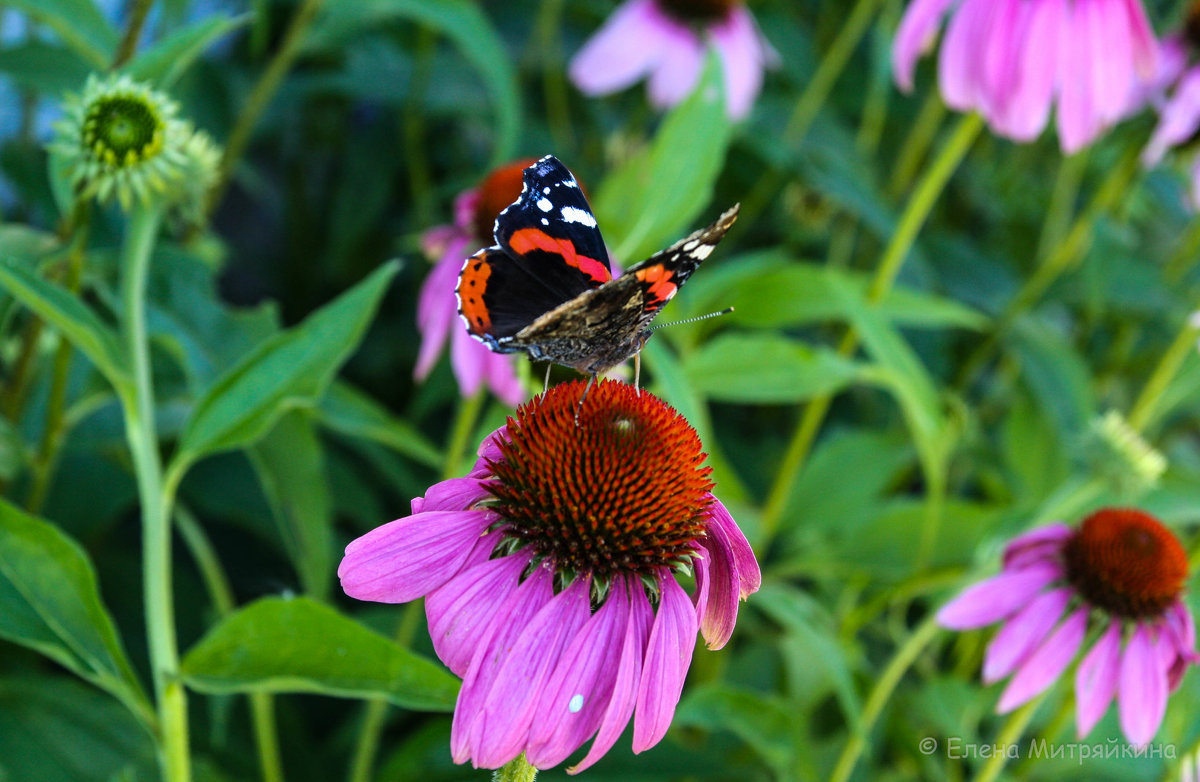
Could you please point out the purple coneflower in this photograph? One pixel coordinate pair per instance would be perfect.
(665, 41)
(549, 575)
(1179, 113)
(1120, 573)
(437, 309)
(1011, 59)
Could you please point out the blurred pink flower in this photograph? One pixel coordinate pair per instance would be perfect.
(1179, 105)
(549, 575)
(437, 308)
(1010, 60)
(665, 40)
(1121, 572)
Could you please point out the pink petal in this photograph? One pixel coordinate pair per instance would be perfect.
(959, 66)
(1038, 544)
(914, 36)
(744, 561)
(1046, 664)
(724, 555)
(1000, 64)
(1078, 119)
(467, 359)
(629, 670)
(1145, 46)
(501, 732)
(740, 45)
(1096, 679)
(1112, 55)
(455, 494)
(407, 558)
(459, 611)
(1028, 108)
(668, 656)
(678, 68)
(623, 50)
(578, 693)
(1022, 633)
(514, 614)
(1181, 635)
(465, 205)
(437, 309)
(1141, 688)
(996, 598)
(1179, 120)
(500, 375)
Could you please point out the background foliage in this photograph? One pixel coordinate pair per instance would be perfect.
(1040, 293)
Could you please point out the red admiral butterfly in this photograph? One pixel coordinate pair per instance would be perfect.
(545, 287)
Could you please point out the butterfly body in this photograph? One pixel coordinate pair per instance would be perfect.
(546, 289)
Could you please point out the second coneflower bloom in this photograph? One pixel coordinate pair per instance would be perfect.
(549, 574)
(1119, 575)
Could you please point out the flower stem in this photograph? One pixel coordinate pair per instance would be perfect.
(554, 86)
(922, 133)
(133, 31)
(464, 423)
(1012, 730)
(888, 680)
(1184, 345)
(911, 221)
(515, 770)
(155, 500)
(1186, 252)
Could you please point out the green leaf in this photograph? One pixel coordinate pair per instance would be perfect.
(652, 199)
(79, 23)
(765, 368)
(50, 602)
(349, 411)
(70, 316)
(1057, 376)
(58, 730)
(764, 722)
(163, 63)
(292, 369)
(291, 469)
(459, 20)
(44, 67)
(299, 645)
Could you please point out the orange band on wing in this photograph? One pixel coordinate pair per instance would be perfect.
(527, 239)
(661, 288)
(472, 282)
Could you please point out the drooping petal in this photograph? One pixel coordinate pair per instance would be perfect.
(454, 494)
(1025, 114)
(677, 71)
(1046, 664)
(740, 45)
(1141, 688)
(629, 671)
(718, 577)
(623, 50)
(668, 656)
(409, 557)
(996, 598)
(1179, 119)
(437, 311)
(1022, 633)
(745, 564)
(459, 610)
(959, 64)
(468, 358)
(1181, 633)
(514, 614)
(501, 732)
(578, 692)
(913, 37)
(1144, 45)
(1000, 65)
(1038, 544)
(500, 375)
(1112, 55)
(1078, 119)
(1096, 679)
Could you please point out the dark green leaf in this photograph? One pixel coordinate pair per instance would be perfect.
(763, 721)
(298, 645)
(163, 63)
(79, 23)
(765, 368)
(43, 67)
(349, 411)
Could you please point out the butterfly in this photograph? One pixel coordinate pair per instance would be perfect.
(545, 287)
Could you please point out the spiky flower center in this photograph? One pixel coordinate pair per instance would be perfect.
(1126, 562)
(698, 11)
(621, 489)
(123, 129)
(501, 188)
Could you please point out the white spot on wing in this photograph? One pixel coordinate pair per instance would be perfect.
(544, 204)
(545, 221)
(546, 190)
(703, 251)
(573, 214)
(575, 704)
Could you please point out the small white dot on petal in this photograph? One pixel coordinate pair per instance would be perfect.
(576, 704)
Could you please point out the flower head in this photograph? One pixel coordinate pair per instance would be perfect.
(437, 311)
(1010, 60)
(1121, 573)
(550, 574)
(665, 40)
(120, 138)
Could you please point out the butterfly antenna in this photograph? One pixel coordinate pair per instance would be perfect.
(588, 387)
(725, 311)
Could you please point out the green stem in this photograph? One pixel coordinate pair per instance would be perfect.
(1186, 251)
(833, 63)
(911, 221)
(920, 136)
(888, 680)
(1062, 202)
(516, 770)
(142, 436)
(554, 86)
(931, 521)
(1143, 410)
(1009, 734)
(464, 424)
(133, 31)
(260, 97)
(415, 158)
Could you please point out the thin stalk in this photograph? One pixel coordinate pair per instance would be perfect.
(133, 31)
(1143, 410)
(920, 136)
(554, 86)
(888, 680)
(142, 436)
(833, 63)
(464, 424)
(1009, 734)
(1062, 202)
(516, 770)
(260, 97)
(1186, 252)
(911, 221)
(415, 159)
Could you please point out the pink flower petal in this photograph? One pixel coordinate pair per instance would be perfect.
(455, 494)
(915, 34)
(745, 564)
(1179, 119)
(1022, 633)
(1025, 114)
(996, 598)
(1141, 688)
(1000, 62)
(1046, 664)
(722, 582)
(629, 671)
(575, 698)
(501, 732)
(668, 656)
(407, 558)
(740, 45)
(1112, 55)
(437, 309)
(623, 50)
(678, 68)
(1180, 630)
(459, 611)
(959, 66)
(1043, 543)
(467, 358)
(1078, 118)
(1145, 46)
(1096, 679)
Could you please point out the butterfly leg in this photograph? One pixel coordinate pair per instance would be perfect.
(588, 387)
(546, 384)
(637, 372)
